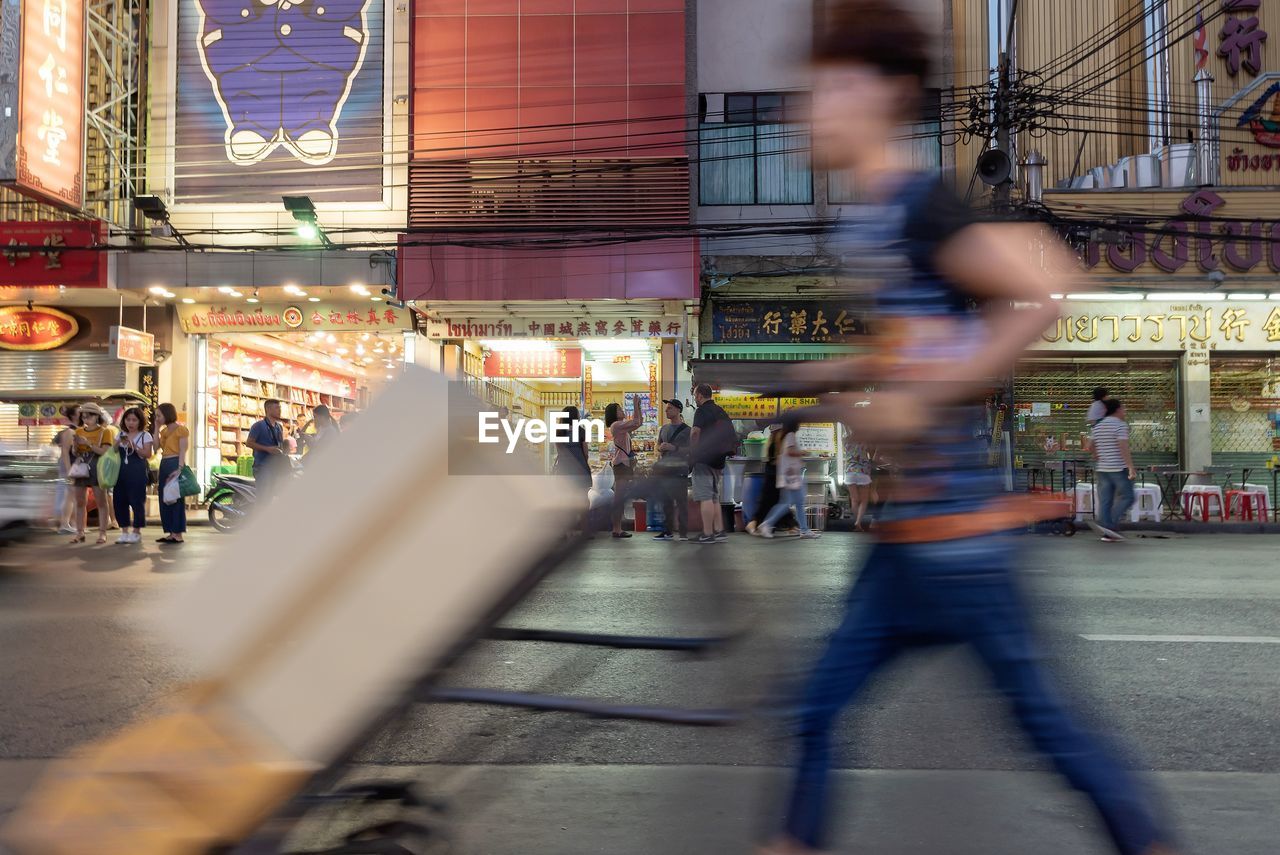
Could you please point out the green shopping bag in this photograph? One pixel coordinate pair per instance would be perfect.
(109, 469)
(187, 483)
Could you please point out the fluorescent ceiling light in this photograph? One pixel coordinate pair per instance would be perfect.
(1248, 296)
(313, 299)
(188, 300)
(252, 300)
(376, 299)
(1107, 296)
(169, 294)
(158, 290)
(1056, 296)
(226, 289)
(1195, 296)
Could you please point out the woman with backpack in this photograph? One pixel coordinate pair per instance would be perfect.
(621, 457)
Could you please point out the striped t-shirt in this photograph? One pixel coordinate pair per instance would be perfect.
(1107, 435)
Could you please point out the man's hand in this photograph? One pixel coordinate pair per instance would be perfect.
(1133, 473)
(666, 446)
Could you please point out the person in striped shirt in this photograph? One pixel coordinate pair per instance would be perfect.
(1116, 472)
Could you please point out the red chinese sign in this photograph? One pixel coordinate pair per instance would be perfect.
(561, 362)
(133, 345)
(33, 254)
(38, 328)
(50, 151)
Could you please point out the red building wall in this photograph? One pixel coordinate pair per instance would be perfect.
(570, 84)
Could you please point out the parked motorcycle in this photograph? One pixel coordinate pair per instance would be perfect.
(232, 497)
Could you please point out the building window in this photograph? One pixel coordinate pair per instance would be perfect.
(756, 151)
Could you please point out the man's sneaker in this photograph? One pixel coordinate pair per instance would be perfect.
(663, 536)
(1105, 533)
(766, 531)
(703, 538)
(811, 534)
(721, 537)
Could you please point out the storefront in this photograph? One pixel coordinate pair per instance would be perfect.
(300, 352)
(538, 358)
(1199, 377)
(56, 354)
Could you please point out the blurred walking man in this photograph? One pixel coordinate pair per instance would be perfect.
(969, 298)
(1116, 472)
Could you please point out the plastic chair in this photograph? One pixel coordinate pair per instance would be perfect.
(1198, 499)
(1146, 503)
(1253, 504)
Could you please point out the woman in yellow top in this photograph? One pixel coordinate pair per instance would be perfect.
(92, 439)
(175, 439)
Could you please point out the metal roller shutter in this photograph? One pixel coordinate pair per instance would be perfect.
(66, 375)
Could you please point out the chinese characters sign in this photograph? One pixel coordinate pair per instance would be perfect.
(561, 362)
(566, 326)
(302, 317)
(793, 322)
(752, 407)
(49, 156)
(133, 345)
(52, 253)
(37, 328)
(1241, 39)
(1165, 326)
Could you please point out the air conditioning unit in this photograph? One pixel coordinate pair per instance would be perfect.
(1177, 165)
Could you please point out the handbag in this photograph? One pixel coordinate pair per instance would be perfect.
(79, 469)
(109, 469)
(187, 483)
(171, 493)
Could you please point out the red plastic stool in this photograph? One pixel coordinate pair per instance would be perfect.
(1199, 505)
(1251, 502)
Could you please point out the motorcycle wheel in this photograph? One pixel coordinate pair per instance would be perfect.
(220, 519)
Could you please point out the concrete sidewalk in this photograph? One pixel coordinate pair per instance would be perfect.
(709, 810)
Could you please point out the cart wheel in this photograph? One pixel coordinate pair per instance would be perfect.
(1056, 527)
(1069, 529)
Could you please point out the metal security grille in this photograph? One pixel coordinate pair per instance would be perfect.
(547, 194)
(1149, 390)
(55, 377)
(1244, 398)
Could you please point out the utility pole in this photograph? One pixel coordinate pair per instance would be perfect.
(1003, 114)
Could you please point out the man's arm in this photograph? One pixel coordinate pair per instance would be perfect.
(1123, 445)
(252, 441)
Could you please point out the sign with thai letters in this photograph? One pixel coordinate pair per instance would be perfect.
(1149, 325)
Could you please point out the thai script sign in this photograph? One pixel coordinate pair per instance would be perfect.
(1149, 325)
(302, 317)
(1192, 243)
(132, 345)
(557, 326)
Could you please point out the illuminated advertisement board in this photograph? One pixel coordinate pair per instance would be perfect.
(277, 98)
(42, 98)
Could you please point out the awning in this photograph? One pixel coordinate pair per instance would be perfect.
(18, 396)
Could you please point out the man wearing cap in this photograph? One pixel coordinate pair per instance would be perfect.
(672, 473)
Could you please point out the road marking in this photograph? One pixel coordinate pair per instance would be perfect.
(1189, 639)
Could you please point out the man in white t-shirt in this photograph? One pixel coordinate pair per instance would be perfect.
(1115, 470)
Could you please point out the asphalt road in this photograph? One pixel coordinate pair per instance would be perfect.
(1172, 643)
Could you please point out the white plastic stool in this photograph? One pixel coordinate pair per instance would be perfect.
(1084, 501)
(1146, 504)
(1198, 499)
(1260, 488)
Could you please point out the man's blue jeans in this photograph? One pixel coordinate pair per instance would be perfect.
(1115, 497)
(959, 591)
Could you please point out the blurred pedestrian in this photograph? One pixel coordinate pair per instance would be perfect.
(968, 300)
(324, 430)
(175, 441)
(65, 499)
(712, 441)
(790, 481)
(571, 462)
(671, 473)
(1115, 470)
(92, 439)
(270, 459)
(769, 492)
(622, 457)
(1097, 410)
(129, 496)
(859, 464)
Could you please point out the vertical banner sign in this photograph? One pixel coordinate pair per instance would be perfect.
(47, 157)
(272, 94)
(149, 385)
(653, 382)
(213, 397)
(588, 399)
